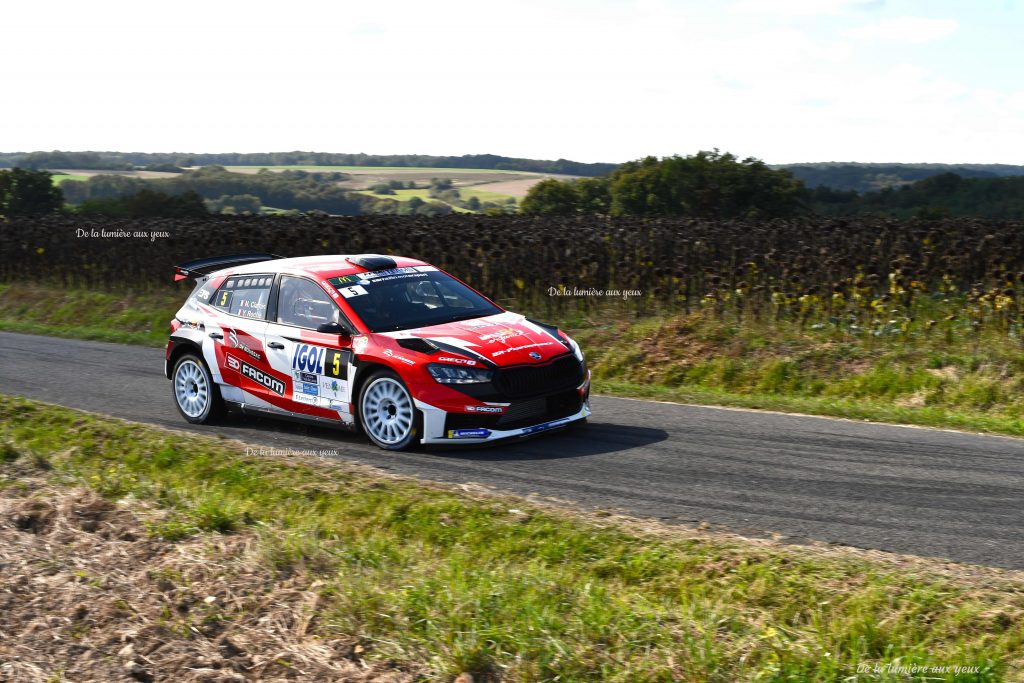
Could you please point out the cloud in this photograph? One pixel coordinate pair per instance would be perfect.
(905, 30)
(801, 8)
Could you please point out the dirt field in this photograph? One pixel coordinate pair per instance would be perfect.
(145, 175)
(518, 187)
(87, 596)
(512, 183)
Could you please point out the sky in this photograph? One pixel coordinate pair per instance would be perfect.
(590, 80)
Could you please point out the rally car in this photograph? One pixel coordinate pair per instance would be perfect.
(388, 345)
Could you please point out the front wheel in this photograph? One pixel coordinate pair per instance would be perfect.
(195, 393)
(387, 413)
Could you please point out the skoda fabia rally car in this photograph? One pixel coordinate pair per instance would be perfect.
(389, 345)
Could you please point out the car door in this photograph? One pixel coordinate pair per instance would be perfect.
(319, 364)
(237, 342)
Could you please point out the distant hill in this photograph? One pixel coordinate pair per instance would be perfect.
(120, 161)
(866, 177)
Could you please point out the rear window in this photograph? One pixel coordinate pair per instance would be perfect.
(245, 296)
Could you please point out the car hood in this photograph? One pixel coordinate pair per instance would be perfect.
(503, 339)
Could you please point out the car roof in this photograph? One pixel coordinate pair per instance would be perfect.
(319, 267)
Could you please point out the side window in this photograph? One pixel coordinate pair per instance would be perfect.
(245, 296)
(304, 304)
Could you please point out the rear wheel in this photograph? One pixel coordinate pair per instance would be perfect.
(195, 393)
(387, 412)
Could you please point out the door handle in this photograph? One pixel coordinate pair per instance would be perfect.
(216, 335)
(276, 345)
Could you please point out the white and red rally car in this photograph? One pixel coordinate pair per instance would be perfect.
(390, 345)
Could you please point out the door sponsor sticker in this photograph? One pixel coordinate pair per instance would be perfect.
(262, 378)
(320, 360)
(334, 389)
(320, 372)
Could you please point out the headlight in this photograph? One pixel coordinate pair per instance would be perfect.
(576, 350)
(450, 374)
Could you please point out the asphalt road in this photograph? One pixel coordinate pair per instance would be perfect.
(919, 491)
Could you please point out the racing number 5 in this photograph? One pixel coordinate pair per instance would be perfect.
(333, 366)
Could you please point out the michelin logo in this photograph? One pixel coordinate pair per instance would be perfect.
(468, 433)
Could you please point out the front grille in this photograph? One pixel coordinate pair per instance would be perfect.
(520, 413)
(531, 380)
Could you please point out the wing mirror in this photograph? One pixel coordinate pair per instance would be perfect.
(333, 328)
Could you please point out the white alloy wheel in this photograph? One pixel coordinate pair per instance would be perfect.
(196, 395)
(387, 412)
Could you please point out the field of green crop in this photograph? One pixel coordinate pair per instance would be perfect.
(60, 178)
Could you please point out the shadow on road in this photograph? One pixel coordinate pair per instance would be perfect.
(595, 438)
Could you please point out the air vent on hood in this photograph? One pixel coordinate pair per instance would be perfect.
(372, 261)
(417, 344)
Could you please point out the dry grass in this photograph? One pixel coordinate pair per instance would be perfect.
(88, 595)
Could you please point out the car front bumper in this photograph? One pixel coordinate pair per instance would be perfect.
(435, 433)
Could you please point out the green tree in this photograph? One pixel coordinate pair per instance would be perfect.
(594, 195)
(551, 197)
(706, 185)
(28, 193)
(148, 203)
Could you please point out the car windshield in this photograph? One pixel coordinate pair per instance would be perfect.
(404, 298)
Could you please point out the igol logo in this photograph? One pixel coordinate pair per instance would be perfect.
(309, 358)
(260, 377)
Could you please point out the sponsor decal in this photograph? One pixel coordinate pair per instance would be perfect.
(520, 348)
(485, 409)
(330, 290)
(310, 389)
(354, 290)
(546, 425)
(262, 378)
(233, 363)
(452, 359)
(304, 376)
(234, 343)
(501, 335)
(319, 360)
(359, 343)
(391, 354)
(333, 388)
(302, 398)
(534, 355)
(341, 406)
(363, 279)
(468, 433)
(204, 294)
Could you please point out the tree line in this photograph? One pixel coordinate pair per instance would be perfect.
(121, 161)
(719, 185)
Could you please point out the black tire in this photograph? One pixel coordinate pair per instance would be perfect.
(379, 415)
(192, 372)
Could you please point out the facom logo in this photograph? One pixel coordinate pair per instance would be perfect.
(260, 377)
(485, 409)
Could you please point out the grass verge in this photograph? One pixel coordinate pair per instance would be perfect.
(428, 578)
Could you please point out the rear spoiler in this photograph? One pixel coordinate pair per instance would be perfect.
(208, 265)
